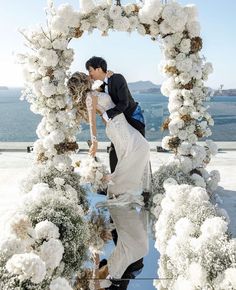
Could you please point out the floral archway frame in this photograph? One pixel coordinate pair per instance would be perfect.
(53, 185)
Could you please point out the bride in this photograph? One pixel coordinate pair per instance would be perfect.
(126, 183)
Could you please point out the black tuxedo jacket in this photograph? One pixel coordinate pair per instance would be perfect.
(121, 96)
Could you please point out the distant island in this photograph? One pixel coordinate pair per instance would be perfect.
(230, 92)
(3, 88)
(147, 87)
(144, 87)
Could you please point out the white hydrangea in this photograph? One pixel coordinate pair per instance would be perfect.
(59, 25)
(115, 12)
(186, 164)
(197, 275)
(121, 24)
(86, 6)
(150, 11)
(62, 162)
(60, 284)
(165, 28)
(175, 125)
(167, 86)
(21, 226)
(183, 78)
(141, 29)
(129, 9)
(184, 148)
(230, 276)
(183, 284)
(102, 24)
(196, 71)
(185, 46)
(175, 15)
(11, 245)
(194, 28)
(165, 142)
(27, 266)
(182, 134)
(184, 227)
(46, 230)
(48, 57)
(184, 65)
(84, 25)
(214, 227)
(60, 43)
(192, 138)
(191, 10)
(154, 29)
(198, 194)
(51, 253)
(48, 90)
(198, 180)
(133, 22)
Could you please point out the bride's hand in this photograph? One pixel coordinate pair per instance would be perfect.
(93, 149)
(104, 121)
(106, 178)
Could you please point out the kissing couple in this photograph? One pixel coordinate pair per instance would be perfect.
(129, 156)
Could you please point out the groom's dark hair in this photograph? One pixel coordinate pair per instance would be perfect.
(97, 62)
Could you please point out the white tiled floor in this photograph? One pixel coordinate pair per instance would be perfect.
(15, 165)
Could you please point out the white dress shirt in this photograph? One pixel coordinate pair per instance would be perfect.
(104, 115)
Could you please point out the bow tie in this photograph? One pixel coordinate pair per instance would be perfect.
(105, 84)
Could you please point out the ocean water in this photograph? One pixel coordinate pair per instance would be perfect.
(18, 123)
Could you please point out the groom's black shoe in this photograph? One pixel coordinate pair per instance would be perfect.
(102, 263)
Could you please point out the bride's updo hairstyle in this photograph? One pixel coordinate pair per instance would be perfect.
(79, 85)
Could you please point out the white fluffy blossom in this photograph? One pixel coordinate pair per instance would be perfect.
(184, 227)
(141, 29)
(165, 142)
(133, 22)
(59, 25)
(184, 65)
(198, 275)
(129, 9)
(192, 11)
(185, 46)
(86, 6)
(175, 15)
(11, 245)
(115, 12)
(121, 24)
(48, 57)
(46, 230)
(60, 284)
(102, 24)
(198, 180)
(150, 11)
(214, 227)
(51, 253)
(60, 43)
(194, 28)
(27, 266)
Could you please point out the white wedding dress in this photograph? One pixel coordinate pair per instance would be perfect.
(128, 181)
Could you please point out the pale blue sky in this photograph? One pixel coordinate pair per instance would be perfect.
(135, 56)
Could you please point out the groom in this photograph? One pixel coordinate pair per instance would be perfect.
(116, 86)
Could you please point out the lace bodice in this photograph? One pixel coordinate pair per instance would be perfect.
(104, 102)
(97, 101)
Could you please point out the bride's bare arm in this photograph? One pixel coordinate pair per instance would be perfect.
(91, 103)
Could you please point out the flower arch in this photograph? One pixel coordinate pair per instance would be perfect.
(190, 226)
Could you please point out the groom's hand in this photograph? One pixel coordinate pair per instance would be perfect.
(109, 73)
